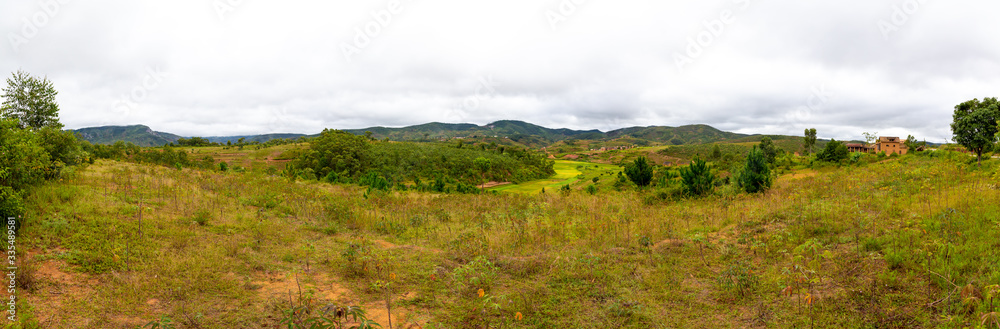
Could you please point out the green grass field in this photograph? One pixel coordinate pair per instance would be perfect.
(567, 172)
(907, 242)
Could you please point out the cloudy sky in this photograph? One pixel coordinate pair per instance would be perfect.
(227, 67)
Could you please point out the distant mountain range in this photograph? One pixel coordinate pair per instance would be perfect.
(521, 132)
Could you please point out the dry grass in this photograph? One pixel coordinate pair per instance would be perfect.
(837, 247)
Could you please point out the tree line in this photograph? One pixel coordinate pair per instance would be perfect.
(339, 156)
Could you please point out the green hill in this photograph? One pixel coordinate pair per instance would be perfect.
(504, 132)
(690, 134)
(137, 134)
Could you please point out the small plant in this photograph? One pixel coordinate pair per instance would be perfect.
(591, 189)
(739, 280)
(164, 322)
(201, 217)
(479, 273)
(328, 317)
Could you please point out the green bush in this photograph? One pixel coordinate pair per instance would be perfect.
(640, 172)
(833, 152)
(697, 178)
(756, 175)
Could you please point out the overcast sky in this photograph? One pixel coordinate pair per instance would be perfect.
(233, 67)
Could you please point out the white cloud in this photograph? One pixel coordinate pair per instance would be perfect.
(279, 66)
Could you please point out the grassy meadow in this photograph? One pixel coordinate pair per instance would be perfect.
(908, 242)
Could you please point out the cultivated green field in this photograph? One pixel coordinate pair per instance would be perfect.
(567, 172)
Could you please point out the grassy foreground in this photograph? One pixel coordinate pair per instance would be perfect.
(906, 243)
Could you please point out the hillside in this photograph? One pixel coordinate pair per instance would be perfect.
(504, 132)
(690, 134)
(138, 134)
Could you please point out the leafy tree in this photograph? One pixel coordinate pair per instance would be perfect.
(61, 145)
(975, 125)
(756, 175)
(640, 172)
(770, 151)
(31, 101)
(912, 144)
(194, 142)
(833, 152)
(809, 141)
(697, 178)
(870, 138)
(24, 163)
(336, 150)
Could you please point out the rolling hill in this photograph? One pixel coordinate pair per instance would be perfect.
(503, 132)
(137, 134)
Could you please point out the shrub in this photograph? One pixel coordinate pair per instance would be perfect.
(591, 189)
(833, 152)
(738, 280)
(621, 184)
(756, 175)
(640, 172)
(697, 178)
(201, 217)
(477, 274)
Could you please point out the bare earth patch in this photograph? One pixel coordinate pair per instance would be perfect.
(286, 287)
(492, 184)
(57, 290)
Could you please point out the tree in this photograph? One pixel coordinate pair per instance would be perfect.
(870, 138)
(975, 125)
(756, 175)
(61, 145)
(697, 178)
(912, 144)
(640, 172)
(24, 163)
(833, 152)
(31, 101)
(809, 141)
(337, 151)
(770, 151)
(716, 152)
